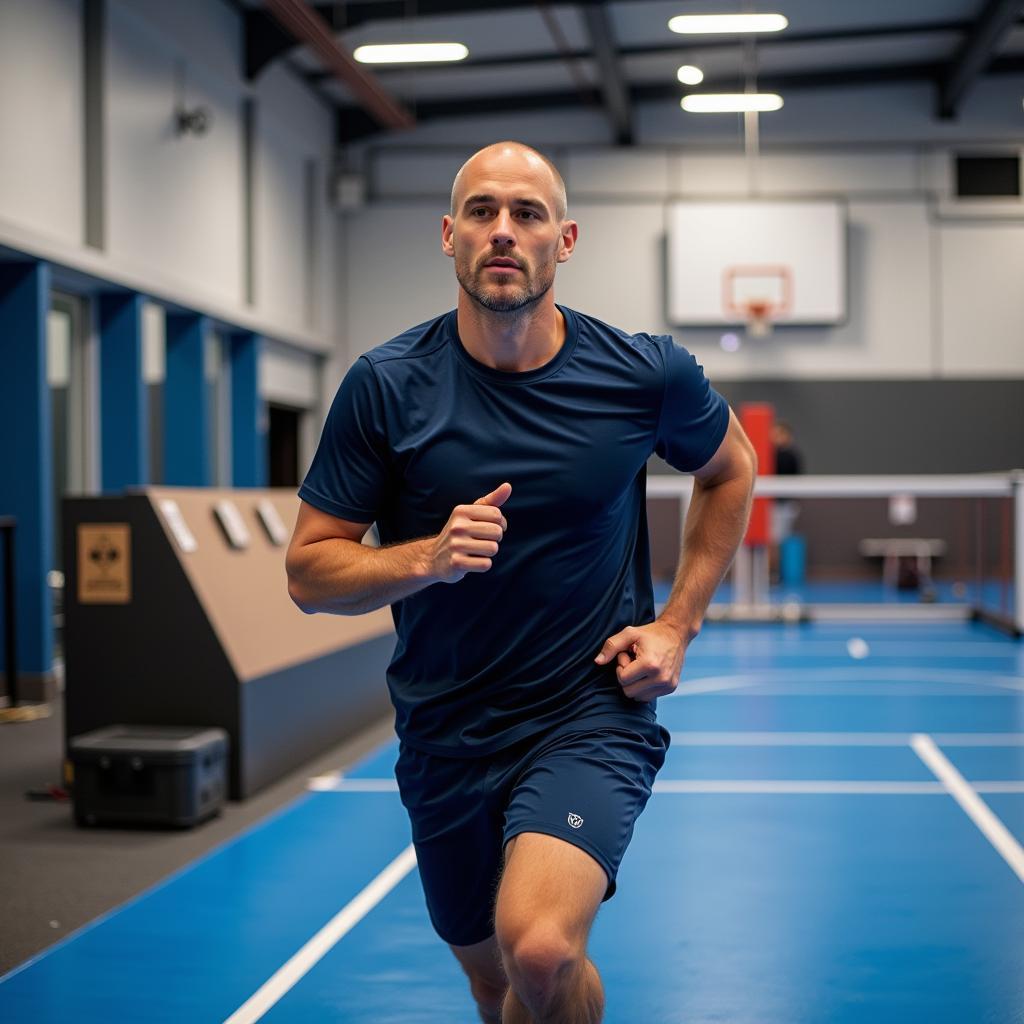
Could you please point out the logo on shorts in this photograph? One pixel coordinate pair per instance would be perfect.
(575, 820)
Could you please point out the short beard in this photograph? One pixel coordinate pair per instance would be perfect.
(516, 300)
(504, 302)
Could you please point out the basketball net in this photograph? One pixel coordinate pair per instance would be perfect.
(759, 313)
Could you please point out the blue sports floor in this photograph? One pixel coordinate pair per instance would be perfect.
(835, 837)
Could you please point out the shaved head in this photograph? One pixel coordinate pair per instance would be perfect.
(509, 153)
(507, 230)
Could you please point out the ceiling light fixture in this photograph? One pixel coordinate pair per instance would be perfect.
(689, 75)
(410, 53)
(724, 103)
(720, 24)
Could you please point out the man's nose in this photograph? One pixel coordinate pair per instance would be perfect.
(502, 233)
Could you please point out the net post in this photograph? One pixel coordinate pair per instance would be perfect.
(742, 578)
(1018, 550)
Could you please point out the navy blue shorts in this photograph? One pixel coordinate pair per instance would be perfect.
(584, 781)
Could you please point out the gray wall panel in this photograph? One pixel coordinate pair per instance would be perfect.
(942, 426)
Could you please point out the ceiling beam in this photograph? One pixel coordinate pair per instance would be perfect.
(614, 90)
(309, 27)
(976, 51)
(351, 126)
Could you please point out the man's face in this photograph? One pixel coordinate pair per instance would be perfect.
(506, 237)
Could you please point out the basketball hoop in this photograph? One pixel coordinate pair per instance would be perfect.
(757, 294)
(759, 314)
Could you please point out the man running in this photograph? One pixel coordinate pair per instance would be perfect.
(501, 449)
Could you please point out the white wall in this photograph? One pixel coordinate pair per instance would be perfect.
(396, 274)
(293, 129)
(931, 285)
(174, 205)
(41, 139)
(981, 299)
(174, 202)
(289, 377)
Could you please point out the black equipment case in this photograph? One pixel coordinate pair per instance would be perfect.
(149, 775)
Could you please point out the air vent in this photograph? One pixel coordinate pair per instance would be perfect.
(997, 176)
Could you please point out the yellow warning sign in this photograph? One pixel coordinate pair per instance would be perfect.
(104, 563)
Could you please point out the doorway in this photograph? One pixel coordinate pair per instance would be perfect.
(285, 424)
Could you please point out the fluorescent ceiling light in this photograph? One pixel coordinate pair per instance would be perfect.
(720, 103)
(689, 75)
(727, 23)
(410, 53)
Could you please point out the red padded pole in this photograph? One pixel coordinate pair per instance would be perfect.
(757, 419)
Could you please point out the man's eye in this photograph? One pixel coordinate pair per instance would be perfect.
(478, 211)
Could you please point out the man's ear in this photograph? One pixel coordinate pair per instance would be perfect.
(567, 241)
(448, 235)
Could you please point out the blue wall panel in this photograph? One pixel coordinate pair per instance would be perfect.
(26, 477)
(124, 426)
(187, 456)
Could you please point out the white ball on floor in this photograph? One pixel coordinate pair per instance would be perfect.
(857, 647)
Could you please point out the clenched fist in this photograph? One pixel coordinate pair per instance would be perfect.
(470, 538)
(648, 659)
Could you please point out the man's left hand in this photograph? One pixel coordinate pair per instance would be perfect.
(648, 660)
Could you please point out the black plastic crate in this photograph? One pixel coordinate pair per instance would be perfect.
(148, 775)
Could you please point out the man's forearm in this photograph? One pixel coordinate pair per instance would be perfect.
(715, 524)
(345, 577)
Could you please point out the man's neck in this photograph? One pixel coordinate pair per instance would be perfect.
(514, 342)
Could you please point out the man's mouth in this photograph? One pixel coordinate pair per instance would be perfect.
(502, 262)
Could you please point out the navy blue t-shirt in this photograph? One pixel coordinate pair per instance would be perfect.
(419, 426)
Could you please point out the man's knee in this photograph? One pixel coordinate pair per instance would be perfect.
(538, 955)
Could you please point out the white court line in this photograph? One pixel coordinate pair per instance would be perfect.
(325, 784)
(302, 962)
(836, 787)
(828, 690)
(841, 739)
(973, 806)
(879, 648)
(861, 673)
(711, 684)
(330, 782)
(829, 787)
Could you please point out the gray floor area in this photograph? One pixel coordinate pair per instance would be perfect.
(55, 877)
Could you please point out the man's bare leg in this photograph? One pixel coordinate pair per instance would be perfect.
(487, 981)
(547, 901)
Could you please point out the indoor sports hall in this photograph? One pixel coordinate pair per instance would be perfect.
(214, 212)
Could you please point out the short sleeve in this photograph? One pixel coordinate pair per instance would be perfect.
(349, 476)
(694, 417)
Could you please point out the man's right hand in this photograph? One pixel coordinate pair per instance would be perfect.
(470, 538)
